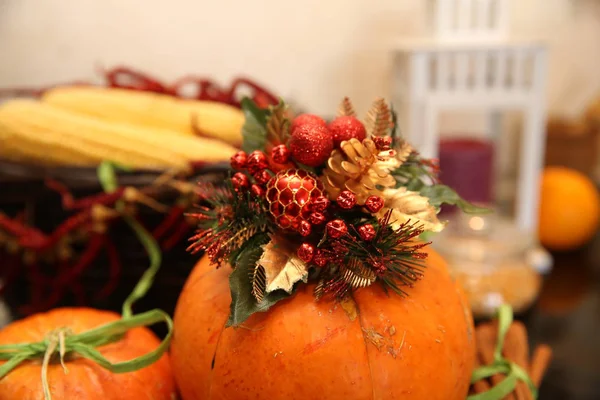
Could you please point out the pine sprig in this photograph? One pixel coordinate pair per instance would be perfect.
(226, 221)
(392, 257)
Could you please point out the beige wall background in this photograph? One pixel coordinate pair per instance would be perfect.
(312, 51)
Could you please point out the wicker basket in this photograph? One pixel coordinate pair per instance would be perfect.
(24, 191)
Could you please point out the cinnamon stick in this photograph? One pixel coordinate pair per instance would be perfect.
(486, 336)
(516, 349)
(481, 385)
(539, 363)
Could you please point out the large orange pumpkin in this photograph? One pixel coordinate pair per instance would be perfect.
(85, 379)
(418, 347)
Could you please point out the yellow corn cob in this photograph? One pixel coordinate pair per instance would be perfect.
(152, 110)
(34, 149)
(83, 140)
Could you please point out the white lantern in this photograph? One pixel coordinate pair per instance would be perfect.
(469, 63)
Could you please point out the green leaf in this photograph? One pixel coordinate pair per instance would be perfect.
(243, 303)
(395, 134)
(415, 185)
(254, 131)
(442, 194)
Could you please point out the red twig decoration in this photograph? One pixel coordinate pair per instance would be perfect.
(200, 88)
(114, 270)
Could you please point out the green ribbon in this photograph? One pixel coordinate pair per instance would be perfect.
(84, 344)
(501, 365)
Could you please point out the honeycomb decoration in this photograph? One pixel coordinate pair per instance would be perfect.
(290, 194)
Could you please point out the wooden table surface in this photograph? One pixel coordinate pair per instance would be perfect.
(567, 317)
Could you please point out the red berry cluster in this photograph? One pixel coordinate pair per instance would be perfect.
(257, 166)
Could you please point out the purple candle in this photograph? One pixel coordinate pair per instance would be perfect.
(467, 166)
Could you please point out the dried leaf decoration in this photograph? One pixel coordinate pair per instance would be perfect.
(259, 282)
(282, 267)
(346, 109)
(403, 150)
(278, 125)
(407, 205)
(357, 275)
(379, 121)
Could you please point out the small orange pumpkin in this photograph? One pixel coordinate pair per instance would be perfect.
(416, 347)
(85, 379)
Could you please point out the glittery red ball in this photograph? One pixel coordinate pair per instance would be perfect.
(311, 144)
(238, 160)
(307, 119)
(306, 252)
(262, 177)
(240, 181)
(346, 128)
(257, 190)
(366, 232)
(317, 218)
(336, 228)
(320, 259)
(290, 194)
(320, 204)
(304, 228)
(257, 161)
(374, 203)
(346, 199)
(280, 154)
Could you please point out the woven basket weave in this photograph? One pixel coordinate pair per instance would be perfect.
(24, 191)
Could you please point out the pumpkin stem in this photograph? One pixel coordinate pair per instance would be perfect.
(54, 339)
(62, 334)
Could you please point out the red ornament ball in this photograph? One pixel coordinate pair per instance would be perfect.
(346, 199)
(311, 144)
(320, 259)
(290, 195)
(238, 160)
(306, 252)
(366, 232)
(374, 203)
(317, 218)
(307, 119)
(346, 128)
(257, 161)
(240, 181)
(262, 177)
(304, 228)
(336, 228)
(280, 154)
(320, 204)
(257, 190)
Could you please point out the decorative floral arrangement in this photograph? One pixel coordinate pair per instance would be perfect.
(341, 203)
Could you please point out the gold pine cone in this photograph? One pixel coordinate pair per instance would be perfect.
(359, 167)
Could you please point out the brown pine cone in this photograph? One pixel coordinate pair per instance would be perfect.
(359, 167)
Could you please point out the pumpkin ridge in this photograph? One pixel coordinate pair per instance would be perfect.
(212, 364)
(362, 332)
